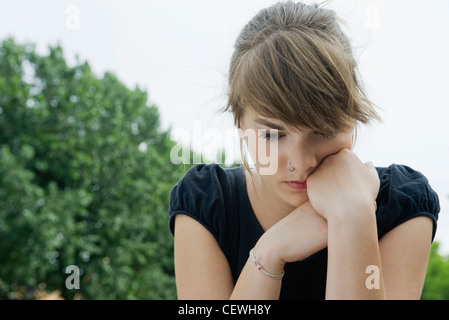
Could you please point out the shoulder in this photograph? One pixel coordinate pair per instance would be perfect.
(203, 194)
(404, 194)
(201, 182)
(204, 173)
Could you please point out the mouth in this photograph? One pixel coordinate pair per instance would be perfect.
(297, 185)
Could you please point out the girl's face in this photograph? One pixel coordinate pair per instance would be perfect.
(272, 146)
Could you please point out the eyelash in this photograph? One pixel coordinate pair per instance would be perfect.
(328, 135)
(272, 136)
(275, 136)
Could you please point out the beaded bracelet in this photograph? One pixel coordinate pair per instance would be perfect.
(259, 267)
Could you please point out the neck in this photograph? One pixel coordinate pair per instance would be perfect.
(268, 208)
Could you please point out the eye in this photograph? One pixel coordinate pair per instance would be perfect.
(271, 135)
(328, 135)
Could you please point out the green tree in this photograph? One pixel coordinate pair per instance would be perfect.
(85, 177)
(436, 285)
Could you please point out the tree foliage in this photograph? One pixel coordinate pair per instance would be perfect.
(85, 177)
(436, 286)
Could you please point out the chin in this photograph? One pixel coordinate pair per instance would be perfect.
(296, 200)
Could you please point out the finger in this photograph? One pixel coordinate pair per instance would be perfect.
(369, 164)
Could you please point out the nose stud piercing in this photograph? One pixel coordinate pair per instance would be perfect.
(290, 168)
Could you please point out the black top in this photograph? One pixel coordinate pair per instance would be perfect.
(217, 198)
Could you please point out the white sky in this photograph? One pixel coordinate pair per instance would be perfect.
(179, 51)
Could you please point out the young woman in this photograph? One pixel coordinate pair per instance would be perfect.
(324, 224)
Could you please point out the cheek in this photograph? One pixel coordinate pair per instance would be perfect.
(336, 145)
(345, 141)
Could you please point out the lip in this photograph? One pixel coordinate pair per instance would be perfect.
(297, 185)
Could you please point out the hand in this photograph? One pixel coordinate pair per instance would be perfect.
(296, 237)
(342, 184)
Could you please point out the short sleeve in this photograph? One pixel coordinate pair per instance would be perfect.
(200, 194)
(404, 194)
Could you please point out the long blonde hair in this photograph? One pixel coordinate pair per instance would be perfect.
(293, 62)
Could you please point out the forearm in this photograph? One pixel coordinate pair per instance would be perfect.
(299, 235)
(353, 250)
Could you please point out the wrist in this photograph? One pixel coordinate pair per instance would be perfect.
(362, 213)
(275, 276)
(268, 257)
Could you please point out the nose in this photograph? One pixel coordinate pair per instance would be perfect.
(302, 159)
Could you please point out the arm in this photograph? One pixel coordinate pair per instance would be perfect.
(202, 270)
(343, 190)
(405, 254)
(294, 238)
(353, 247)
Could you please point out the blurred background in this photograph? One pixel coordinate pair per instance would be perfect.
(95, 96)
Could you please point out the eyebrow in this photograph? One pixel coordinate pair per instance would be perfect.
(269, 124)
